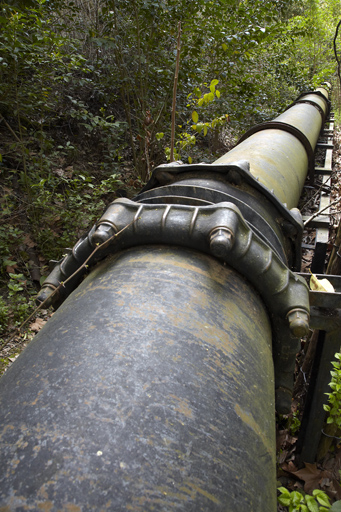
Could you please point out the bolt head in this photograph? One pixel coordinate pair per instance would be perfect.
(221, 242)
(298, 322)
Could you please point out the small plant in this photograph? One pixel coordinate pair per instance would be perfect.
(203, 99)
(18, 303)
(299, 501)
(334, 398)
(16, 284)
(198, 99)
(294, 423)
(3, 314)
(10, 239)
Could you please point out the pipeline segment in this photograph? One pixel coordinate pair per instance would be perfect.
(290, 141)
(152, 387)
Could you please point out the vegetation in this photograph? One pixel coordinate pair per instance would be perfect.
(297, 501)
(334, 398)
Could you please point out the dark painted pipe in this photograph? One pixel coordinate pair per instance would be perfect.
(143, 392)
(152, 386)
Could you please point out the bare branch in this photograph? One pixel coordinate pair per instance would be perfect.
(174, 93)
(320, 211)
(335, 52)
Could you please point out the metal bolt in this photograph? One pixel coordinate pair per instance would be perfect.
(298, 322)
(289, 228)
(102, 234)
(221, 242)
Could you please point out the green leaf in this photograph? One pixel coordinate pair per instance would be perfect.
(296, 497)
(311, 503)
(201, 102)
(9, 263)
(197, 92)
(195, 116)
(323, 500)
(284, 491)
(217, 94)
(336, 507)
(321, 497)
(224, 47)
(284, 500)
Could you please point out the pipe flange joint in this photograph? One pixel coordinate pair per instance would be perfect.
(219, 230)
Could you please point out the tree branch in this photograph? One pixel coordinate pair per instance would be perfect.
(174, 94)
(335, 52)
(320, 211)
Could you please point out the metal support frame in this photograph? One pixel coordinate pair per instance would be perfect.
(325, 317)
(322, 222)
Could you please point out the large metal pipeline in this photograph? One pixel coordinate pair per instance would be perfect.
(153, 385)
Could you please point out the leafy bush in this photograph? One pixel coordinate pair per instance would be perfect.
(334, 398)
(299, 501)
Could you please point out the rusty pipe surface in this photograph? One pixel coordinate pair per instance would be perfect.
(153, 385)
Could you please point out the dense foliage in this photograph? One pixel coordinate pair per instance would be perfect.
(86, 100)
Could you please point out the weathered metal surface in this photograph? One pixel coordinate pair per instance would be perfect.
(281, 169)
(266, 215)
(212, 184)
(322, 233)
(219, 230)
(144, 392)
(283, 166)
(195, 227)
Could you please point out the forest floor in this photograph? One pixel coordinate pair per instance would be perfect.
(323, 475)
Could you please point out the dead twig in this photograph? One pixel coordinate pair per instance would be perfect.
(320, 211)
